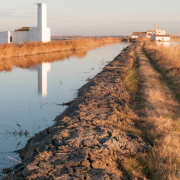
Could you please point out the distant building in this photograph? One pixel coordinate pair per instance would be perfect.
(150, 33)
(26, 34)
(138, 35)
(147, 34)
(160, 35)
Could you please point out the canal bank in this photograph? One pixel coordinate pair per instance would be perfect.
(90, 138)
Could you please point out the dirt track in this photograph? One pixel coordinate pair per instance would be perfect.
(87, 141)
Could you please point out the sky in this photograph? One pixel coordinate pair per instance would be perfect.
(93, 17)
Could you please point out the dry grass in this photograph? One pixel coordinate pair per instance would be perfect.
(132, 78)
(160, 124)
(167, 61)
(168, 57)
(37, 53)
(31, 48)
(175, 38)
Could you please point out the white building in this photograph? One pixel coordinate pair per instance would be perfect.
(150, 33)
(147, 34)
(160, 35)
(27, 34)
(138, 35)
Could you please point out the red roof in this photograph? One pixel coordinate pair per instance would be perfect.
(137, 33)
(151, 31)
(23, 29)
(163, 35)
(149, 34)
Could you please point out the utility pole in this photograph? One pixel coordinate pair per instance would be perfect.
(66, 33)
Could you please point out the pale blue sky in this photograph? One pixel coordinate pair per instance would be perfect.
(94, 17)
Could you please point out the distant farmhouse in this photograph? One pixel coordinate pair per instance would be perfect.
(26, 34)
(147, 34)
(160, 35)
(157, 35)
(138, 34)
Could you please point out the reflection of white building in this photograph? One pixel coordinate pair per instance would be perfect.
(26, 34)
(165, 44)
(42, 78)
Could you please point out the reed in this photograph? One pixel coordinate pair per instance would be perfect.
(175, 38)
(31, 48)
(168, 57)
(31, 54)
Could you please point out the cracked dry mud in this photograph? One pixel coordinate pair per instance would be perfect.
(86, 141)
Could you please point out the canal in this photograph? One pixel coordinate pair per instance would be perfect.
(29, 95)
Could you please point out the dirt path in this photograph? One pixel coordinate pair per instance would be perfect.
(159, 113)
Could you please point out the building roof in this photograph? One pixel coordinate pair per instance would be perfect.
(23, 29)
(137, 33)
(151, 31)
(149, 34)
(164, 35)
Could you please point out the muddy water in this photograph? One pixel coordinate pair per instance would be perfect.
(29, 96)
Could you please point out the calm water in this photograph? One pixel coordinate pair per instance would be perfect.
(28, 97)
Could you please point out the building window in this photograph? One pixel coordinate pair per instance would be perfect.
(10, 38)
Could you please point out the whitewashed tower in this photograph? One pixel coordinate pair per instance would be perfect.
(44, 31)
(26, 34)
(42, 16)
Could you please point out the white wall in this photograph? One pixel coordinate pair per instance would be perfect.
(5, 37)
(19, 36)
(166, 39)
(43, 33)
(46, 35)
(134, 36)
(33, 34)
(42, 15)
(143, 35)
(149, 34)
(161, 38)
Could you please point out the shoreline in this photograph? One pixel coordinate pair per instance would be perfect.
(32, 60)
(33, 48)
(87, 139)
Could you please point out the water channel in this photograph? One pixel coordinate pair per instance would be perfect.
(29, 96)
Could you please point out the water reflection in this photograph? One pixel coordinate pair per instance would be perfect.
(43, 69)
(165, 44)
(32, 61)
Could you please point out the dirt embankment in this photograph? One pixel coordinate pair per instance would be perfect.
(88, 140)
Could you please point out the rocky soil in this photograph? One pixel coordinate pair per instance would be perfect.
(87, 140)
